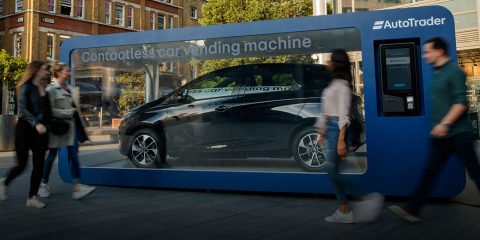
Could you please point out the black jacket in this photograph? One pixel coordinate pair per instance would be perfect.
(33, 107)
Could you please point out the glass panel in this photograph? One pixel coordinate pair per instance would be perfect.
(108, 7)
(252, 108)
(152, 21)
(160, 22)
(50, 46)
(130, 17)
(17, 48)
(119, 15)
(193, 13)
(18, 5)
(80, 8)
(51, 5)
(66, 7)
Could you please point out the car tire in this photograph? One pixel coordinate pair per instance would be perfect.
(306, 152)
(147, 149)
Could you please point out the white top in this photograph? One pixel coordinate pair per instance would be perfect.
(336, 101)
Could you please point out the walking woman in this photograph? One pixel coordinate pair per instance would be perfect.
(333, 123)
(30, 132)
(63, 100)
(333, 126)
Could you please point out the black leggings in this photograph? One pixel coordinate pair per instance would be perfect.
(26, 138)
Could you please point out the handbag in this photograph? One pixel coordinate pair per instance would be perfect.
(58, 126)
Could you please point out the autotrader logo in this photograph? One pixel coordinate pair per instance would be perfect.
(408, 23)
(378, 25)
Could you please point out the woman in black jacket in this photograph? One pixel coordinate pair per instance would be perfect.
(31, 132)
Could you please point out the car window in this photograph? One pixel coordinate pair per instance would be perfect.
(270, 79)
(214, 85)
(316, 78)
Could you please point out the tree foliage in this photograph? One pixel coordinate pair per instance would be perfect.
(132, 90)
(11, 69)
(234, 11)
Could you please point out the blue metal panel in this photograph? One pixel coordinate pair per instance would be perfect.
(397, 146)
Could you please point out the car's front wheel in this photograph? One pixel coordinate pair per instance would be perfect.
(146, 149)
(308, 154)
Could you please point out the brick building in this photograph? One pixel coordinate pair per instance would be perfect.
(35, 29)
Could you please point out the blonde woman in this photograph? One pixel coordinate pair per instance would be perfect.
(63, 103)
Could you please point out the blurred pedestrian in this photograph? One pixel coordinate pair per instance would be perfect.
(451, 130)
(31, 131)
(333, 124)
(63, 100)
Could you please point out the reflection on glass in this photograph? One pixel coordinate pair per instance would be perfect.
(251, 108)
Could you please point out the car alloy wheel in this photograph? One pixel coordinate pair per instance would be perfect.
(307, 153)
(144, 150)
(311, 153)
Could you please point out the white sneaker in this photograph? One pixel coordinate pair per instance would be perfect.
(3, 190)
(44, 190)
(402, 212)
(340, 217)
(369, 208)
(33, 202)
(82, 191)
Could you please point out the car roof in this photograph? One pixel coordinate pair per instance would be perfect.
(320, 66)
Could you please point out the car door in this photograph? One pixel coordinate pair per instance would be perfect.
(201, 119)
(270, 99)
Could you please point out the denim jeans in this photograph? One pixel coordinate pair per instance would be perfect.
(72, 152)
(332, 167)
(441, 149)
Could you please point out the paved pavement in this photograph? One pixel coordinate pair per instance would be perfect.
(139, 213)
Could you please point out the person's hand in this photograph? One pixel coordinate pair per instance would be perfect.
(41, 129)
(320, 139)
(440, 130)
(322, 131)
(341, 149)
(74, 110)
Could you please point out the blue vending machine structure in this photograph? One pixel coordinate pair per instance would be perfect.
(396, 109)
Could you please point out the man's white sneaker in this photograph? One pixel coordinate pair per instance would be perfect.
(340, 217)
(405, 214)
(33, 202)
(44, 190)
(369, 208)
(82, 191)
(3, 190)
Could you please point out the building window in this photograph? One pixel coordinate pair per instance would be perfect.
(50, 46)
(66, 7)
(18, 5)
(17, 44)
(119, 9)
(170, 22)
(130, 17)
(63, 38)
(160, 22)
(108, 11)
(80, 8)
(51, 6)
(194, 13)
(152, 21)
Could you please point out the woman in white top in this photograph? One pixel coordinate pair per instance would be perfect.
(333, 124)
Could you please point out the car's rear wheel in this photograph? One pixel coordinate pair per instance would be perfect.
(308, 154)
(146, 149)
